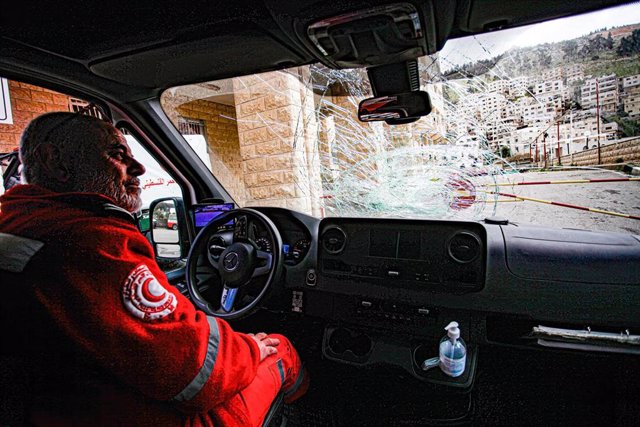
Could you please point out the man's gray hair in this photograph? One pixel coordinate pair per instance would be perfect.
(72, 134)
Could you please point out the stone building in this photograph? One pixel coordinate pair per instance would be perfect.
(257, 148)
(630, 95)
(602, 90)
(284, 138)
(270, 139)
(24, 102)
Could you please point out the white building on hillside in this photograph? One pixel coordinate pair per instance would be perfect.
(603, 90)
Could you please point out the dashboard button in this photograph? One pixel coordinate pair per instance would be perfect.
(311, 277)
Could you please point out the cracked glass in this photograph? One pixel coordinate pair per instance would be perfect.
(535, 125)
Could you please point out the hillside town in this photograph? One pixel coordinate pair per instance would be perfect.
(523, 114)
(549, 112)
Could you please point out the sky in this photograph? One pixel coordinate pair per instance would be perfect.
(459, 51)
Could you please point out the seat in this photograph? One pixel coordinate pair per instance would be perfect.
(13, 391)
(275, 416)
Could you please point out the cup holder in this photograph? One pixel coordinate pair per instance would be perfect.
(423, 352)
(435, 375)
(347, 344)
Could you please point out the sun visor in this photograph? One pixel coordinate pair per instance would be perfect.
(190, 61)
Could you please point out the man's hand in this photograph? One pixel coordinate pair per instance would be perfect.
(267, 345)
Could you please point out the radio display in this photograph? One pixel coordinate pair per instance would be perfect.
(394, 244)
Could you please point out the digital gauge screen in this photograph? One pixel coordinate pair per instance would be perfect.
(204, 214)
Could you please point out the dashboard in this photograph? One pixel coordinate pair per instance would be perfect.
(382, 284)
(412, 276)
(440, 256)
(296, 237)
(493, 266)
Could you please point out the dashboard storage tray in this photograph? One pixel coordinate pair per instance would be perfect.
(347, 345)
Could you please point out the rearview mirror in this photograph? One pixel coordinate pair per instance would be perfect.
(395, 109)
(169, 231)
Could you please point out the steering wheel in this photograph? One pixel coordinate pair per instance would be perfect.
(228, 271)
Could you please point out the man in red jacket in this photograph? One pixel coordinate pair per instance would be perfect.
(109, 341)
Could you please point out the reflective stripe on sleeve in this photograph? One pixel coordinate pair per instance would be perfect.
(207, 367)
(297, 384)
(16, 252)
(281, 370)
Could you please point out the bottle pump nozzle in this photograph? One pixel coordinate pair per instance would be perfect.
(453, 331)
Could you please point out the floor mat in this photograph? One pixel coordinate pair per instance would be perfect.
(299, 415)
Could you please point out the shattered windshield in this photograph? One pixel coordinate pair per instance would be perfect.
(536, 125)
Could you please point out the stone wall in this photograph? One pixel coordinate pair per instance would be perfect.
(628, 151)
(277, 132)
(221, 133)
(28, 102)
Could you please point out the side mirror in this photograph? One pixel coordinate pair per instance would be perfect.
(169, 228)
(395, 109)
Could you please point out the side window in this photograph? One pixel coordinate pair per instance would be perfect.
(156, 182)
(22, 102)
(19, 104)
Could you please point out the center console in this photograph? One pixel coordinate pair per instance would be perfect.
(431, 256)
(377, 278)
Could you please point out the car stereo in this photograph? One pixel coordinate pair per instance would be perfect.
(437, 256)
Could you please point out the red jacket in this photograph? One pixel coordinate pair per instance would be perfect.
(147, 355)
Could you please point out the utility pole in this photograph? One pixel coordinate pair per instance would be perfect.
(598, 117)
(587, 142)
(558, 152)
(570, 132)
(544, 141)
(536, 150)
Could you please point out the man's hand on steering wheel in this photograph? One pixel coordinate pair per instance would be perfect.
(267, 345)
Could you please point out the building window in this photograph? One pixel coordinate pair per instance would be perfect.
(190, 126)
(6, 117)
(83, 107)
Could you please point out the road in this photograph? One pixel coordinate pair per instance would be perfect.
(621, 197)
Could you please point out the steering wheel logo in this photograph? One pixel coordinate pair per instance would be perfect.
(230, 261)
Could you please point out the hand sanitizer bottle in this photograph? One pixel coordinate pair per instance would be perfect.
(453, 351)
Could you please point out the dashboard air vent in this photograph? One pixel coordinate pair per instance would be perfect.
(464, 247)
(334, 240)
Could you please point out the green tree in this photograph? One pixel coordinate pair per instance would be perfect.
(627, 127)
(570, 49)
(629, 45)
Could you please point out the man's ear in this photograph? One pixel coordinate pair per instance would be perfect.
(53, 163)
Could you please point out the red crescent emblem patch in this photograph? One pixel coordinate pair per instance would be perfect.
(145, 297)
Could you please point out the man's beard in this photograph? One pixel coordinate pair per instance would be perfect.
(102, 183)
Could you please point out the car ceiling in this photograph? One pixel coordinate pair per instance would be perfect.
(133, 50)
